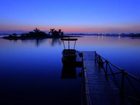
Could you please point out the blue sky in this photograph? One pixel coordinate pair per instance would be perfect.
(71, 15)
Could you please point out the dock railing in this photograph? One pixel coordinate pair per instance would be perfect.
(128, 84)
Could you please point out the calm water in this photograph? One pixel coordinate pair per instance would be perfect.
(123, 52)
(31, 74)
(31, 71)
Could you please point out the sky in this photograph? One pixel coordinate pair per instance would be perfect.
(90, 16)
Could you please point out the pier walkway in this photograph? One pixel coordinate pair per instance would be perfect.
(100, 89)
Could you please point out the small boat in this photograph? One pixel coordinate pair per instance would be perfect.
(69, 54)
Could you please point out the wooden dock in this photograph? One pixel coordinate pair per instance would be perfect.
(107, 84)
(98, 90)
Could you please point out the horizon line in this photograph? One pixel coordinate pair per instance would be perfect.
(72, 29)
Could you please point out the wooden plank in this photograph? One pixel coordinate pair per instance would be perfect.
(98, 90)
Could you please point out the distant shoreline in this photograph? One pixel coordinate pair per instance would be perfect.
(37, 34)
(68, 35)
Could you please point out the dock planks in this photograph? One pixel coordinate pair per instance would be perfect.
(98, 90)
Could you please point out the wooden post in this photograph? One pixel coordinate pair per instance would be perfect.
(106, 69)
(95, 57)
(74, 44)
(100, 62)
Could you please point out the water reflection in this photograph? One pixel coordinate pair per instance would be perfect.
(39, 42)
(30, 73)
(68, 72)
(37, 64)
(71, 71)
(71, 62)
(55, 41)
(123, 52)
(117, 50)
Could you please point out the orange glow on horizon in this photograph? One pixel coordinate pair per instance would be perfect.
(72, 29)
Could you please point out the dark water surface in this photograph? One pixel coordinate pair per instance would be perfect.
(31, 71)
(31, 74)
